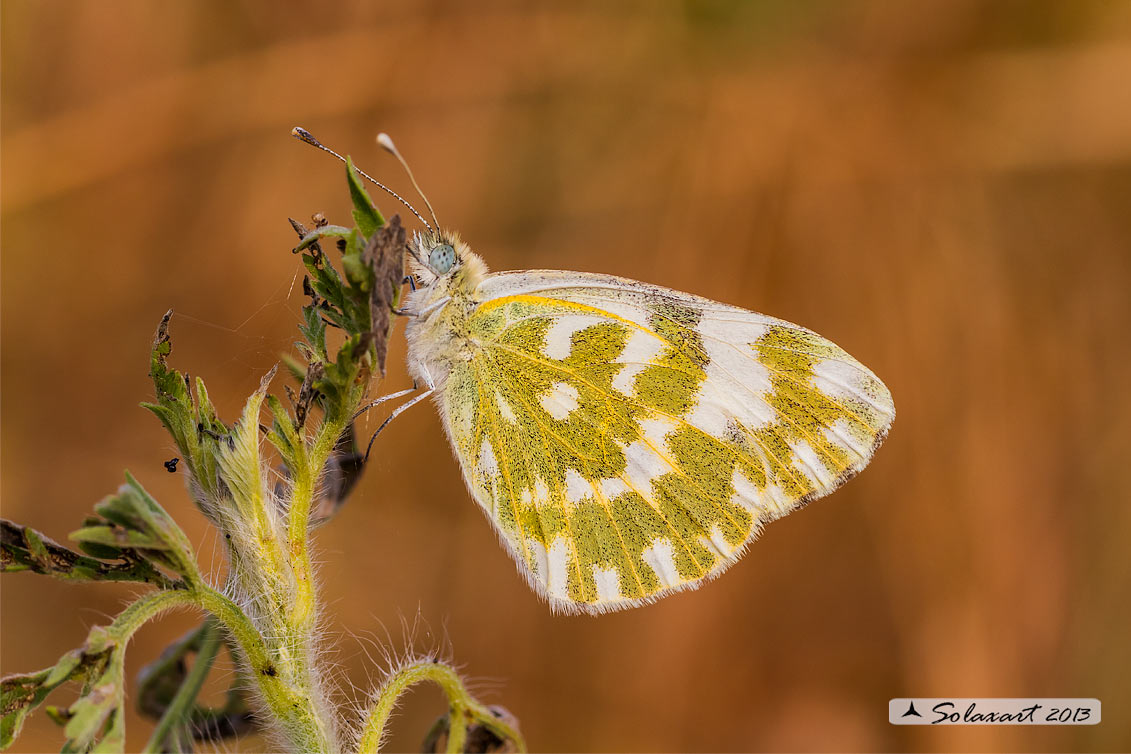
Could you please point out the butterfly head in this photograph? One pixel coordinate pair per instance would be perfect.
(442, 258)
(443, 262)
(442, 265)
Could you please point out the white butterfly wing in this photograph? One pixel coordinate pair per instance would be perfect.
(628, 440)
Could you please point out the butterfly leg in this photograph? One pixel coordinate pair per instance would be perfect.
(397, 412)
(424, 312)
(428, 382)
(411, 280)
(384, 398)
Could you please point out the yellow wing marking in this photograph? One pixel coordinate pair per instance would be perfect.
(662, 455)
(586, 308)
(816, 446)
(572, 537)
(498, 451)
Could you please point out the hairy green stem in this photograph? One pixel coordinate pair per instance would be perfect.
(463, 708)
(302, 500)
(145, 609)
(282, 675)
(181, 706)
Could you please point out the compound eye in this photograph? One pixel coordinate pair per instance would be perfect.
(442, 258)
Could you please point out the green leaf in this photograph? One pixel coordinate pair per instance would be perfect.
(314, 330)
(117, 536)
(135, 525)
(95, 721)
(205, 411)
(284, 435)
(98, 711)
(325, 281)
(170, 385)
(58, 716)
(337, 318)
(239, 460)
(64, 668)
(357, 272)
(192, 424)
(326, 231)
(163, 527)
(19, 696)
(102, 552)
(47, 557)
(366, 216)
(293, 365)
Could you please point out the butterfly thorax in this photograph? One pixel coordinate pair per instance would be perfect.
(439, 334)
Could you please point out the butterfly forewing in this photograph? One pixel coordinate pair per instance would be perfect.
(628, 440)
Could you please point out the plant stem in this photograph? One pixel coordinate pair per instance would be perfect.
(180, 708)
(302, 499)
(282, 675)
(463, 707)
(145, 609)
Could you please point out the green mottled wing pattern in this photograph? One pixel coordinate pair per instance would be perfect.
(628, 440)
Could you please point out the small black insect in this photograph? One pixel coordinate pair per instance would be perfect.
(171, 465)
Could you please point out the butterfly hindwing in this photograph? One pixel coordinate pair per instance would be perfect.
(628, 440)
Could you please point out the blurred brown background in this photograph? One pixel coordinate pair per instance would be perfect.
(942, 187)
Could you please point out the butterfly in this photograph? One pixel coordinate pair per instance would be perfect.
(627, 441)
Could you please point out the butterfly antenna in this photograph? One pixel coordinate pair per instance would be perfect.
(303, 135)
(387, 144)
